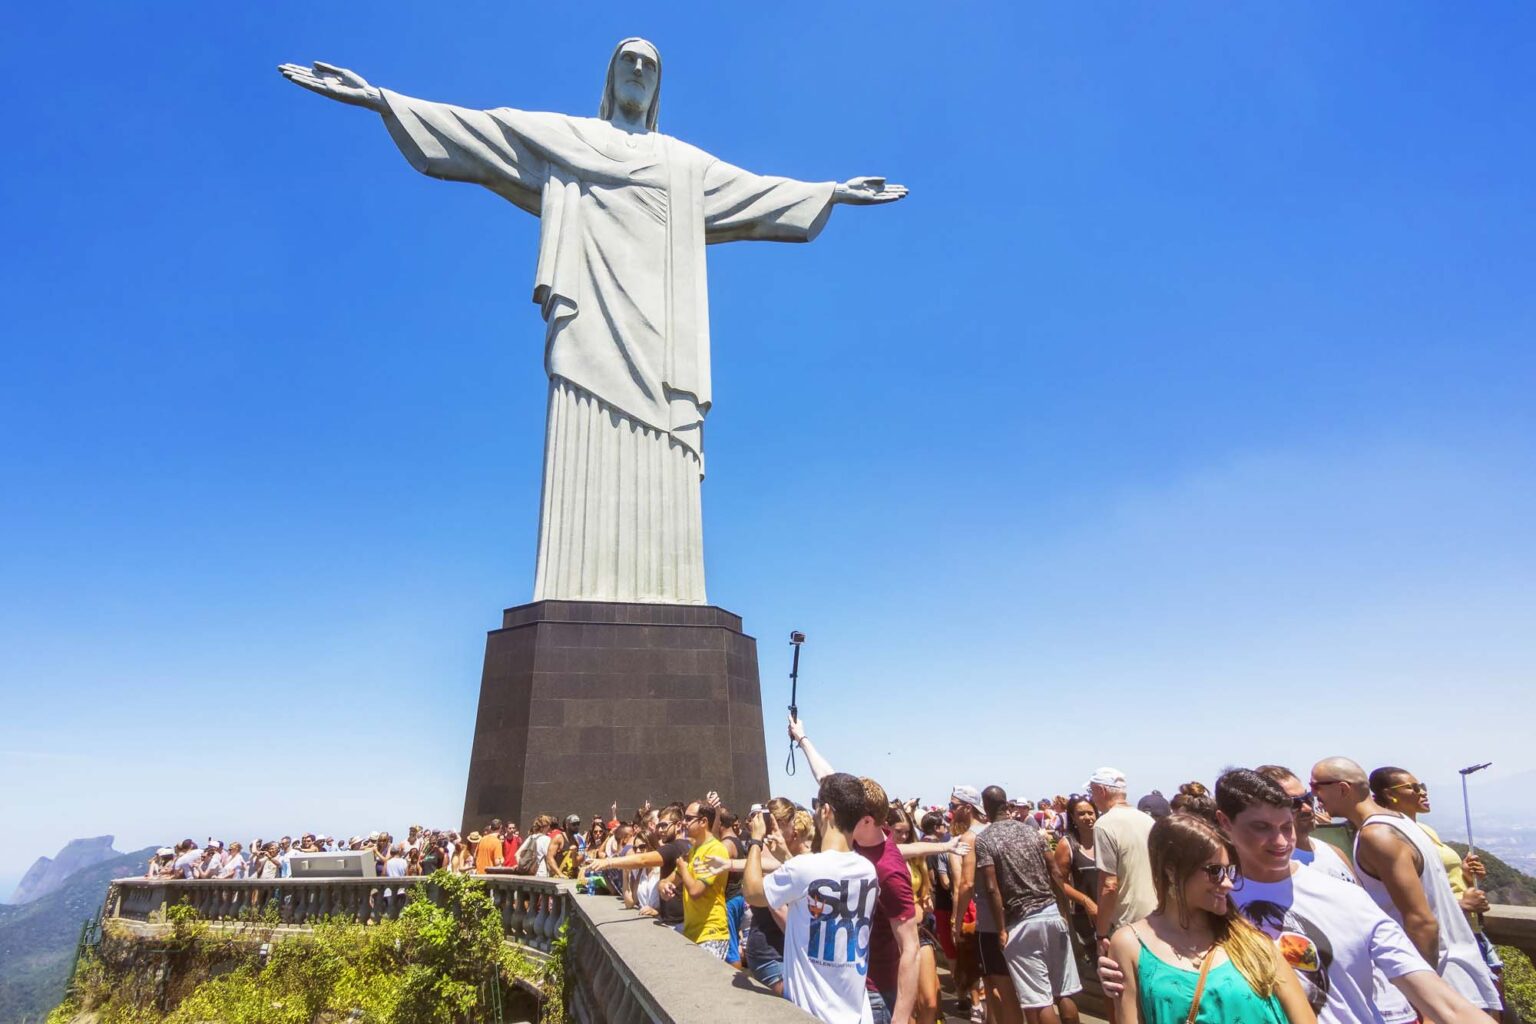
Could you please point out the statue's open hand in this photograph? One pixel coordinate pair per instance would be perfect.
(868, 191)
(334, 83)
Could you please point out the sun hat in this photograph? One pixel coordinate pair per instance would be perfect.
(1109, 778)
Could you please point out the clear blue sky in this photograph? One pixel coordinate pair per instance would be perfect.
(1192, 384)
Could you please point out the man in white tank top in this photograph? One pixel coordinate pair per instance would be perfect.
(1401, 870)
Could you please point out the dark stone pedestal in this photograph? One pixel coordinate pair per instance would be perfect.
(585, 702)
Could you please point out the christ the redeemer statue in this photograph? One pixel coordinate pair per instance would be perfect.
(626, 212)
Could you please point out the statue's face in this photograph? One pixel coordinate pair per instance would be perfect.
(635, 78)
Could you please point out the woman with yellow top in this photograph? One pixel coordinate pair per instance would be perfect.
(1397, 789)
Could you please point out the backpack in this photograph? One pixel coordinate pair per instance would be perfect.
(528, 856)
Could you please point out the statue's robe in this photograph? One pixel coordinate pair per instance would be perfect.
(622, 287)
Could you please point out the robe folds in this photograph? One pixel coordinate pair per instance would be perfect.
(621, 285)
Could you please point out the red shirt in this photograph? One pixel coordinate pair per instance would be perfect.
(509, 849)
(894, 904)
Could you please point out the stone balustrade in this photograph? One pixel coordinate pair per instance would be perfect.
(622, 967)
(532, 909)
(1512, 926)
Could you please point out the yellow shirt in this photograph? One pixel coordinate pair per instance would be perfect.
(1449, 857)
(704, 918)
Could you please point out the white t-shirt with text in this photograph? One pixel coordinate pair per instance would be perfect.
(830, 898)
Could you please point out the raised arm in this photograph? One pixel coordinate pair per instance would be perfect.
(819, 766)
(931, 847)
(483, 147)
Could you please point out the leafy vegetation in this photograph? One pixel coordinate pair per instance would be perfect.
(1519, 983)
(444, 961)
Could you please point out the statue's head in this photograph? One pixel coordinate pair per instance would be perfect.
(634, 82)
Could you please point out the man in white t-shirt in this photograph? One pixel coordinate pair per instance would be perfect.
(1324, 857)
(188, 859)
(829, 904)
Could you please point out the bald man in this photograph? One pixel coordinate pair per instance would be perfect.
(1400, 868)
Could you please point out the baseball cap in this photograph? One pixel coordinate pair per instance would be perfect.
(1109, 778)
(1155, 804)
(966, 795)
(165, 851)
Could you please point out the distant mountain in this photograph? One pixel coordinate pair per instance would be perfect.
(48, 873)
(1504, 884)
(37, 939)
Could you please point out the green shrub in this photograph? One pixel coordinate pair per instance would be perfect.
(1519, 982)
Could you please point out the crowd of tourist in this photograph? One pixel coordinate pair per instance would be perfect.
(1219, 905)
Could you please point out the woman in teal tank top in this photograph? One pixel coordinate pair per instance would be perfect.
(1198, 961)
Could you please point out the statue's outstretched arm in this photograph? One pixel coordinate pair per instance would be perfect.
(867, 192)
(335, 83)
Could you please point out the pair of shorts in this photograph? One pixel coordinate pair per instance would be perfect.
(1039, 959)
(990, 954)
(943, 926)
(765, 962)
(716, 948)
(880, 1004)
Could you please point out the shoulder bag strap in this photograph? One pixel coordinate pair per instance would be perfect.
(1205, 968)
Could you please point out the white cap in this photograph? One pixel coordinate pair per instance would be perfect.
(373, 835)
(165, 851)
(966, 795)
(1109, 778)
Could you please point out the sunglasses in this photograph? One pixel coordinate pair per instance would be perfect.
(1216, 872)
(1417, 787)
(1298, 802)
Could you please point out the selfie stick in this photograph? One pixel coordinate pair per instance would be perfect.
(1466, 808)
(796, 638)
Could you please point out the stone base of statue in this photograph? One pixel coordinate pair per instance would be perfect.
(584, 703)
